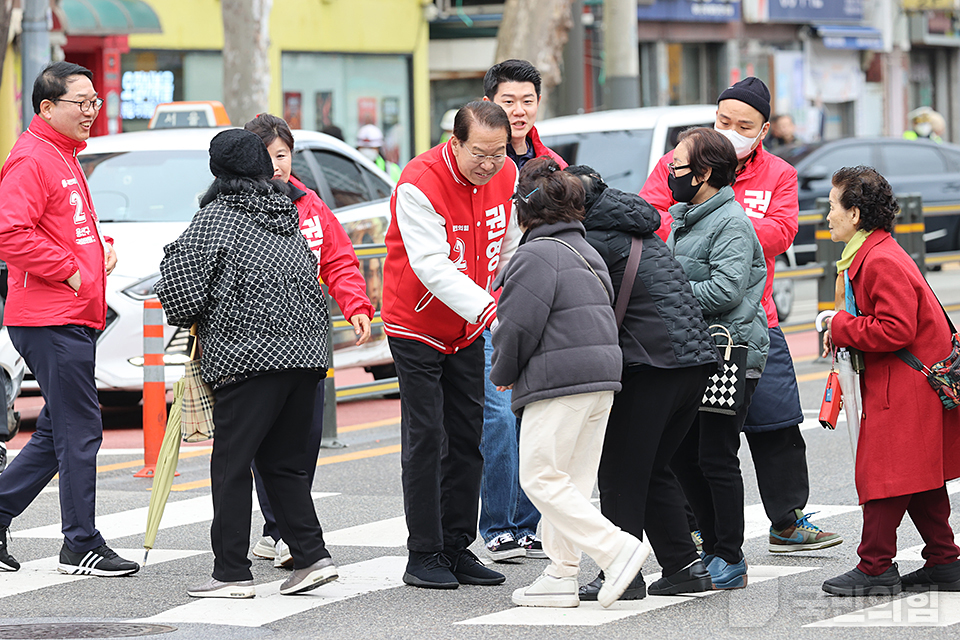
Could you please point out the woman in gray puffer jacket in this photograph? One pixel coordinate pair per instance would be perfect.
(556, 345)
(243, 272)
(715, 243)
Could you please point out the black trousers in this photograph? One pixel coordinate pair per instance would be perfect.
(650, 418)
(441, 420)
(68, 435)
(780, 459)
(709, 472)
(264, 419)
(307, 462)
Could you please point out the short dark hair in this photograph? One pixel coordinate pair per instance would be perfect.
(270, 127)
(52, 82)
(710, 149)
(512, 70)
(865, 188)
(546, 195)
(481, 112)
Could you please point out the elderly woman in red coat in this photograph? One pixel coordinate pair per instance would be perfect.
(909, 444)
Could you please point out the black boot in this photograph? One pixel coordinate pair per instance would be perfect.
(940, 577)
(857, 583)
(693, 579)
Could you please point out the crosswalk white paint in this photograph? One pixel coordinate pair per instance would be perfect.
(269, 606)
(42, 573)
(591, 614)
(133, 521)
(391, 532)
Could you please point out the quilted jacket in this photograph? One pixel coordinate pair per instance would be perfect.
(719, 251)
(246, 275)
(663, 326)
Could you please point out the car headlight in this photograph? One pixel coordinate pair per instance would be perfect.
(143, 289)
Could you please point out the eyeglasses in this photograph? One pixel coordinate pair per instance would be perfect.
(479, 157)
(85, 105)
(672, 168)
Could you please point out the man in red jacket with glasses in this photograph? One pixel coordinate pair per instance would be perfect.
(58, 265)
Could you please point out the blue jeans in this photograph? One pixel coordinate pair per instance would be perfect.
(504, 507)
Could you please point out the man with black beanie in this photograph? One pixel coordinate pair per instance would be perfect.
(766, 187)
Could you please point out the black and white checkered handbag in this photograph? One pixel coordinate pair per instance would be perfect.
(726, 388)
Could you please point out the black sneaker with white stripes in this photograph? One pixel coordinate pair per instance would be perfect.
(102, 561)
(7, 561)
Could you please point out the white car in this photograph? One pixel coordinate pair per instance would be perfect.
(145, 188)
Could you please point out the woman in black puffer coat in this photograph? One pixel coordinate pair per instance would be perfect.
(667, 357)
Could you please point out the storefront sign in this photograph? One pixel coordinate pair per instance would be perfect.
(928, 5)
(803, 11)
(142, 91)
(690, 11)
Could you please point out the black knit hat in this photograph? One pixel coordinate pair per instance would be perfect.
(751, 91)
(239, 153)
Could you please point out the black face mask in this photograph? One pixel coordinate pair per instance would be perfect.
(683, 189)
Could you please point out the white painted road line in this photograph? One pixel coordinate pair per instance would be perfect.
(134, 521)
(915, 610)
(383, 533)
(42, 573)
(269, 606)
(591, 614)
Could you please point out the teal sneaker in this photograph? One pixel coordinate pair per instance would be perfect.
(802, 535)
(728, 576)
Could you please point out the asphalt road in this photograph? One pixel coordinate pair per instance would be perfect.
(359, 500)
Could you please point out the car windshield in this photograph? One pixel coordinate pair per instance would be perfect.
(147, 186)
(621, 157)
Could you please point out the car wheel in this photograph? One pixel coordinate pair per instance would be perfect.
(782, 292)
(120, 398)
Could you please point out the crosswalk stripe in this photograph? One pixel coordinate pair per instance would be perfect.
(134, 521)
(42, 573)
(391, 532)
(915, 610)
(591, 614)
(269, 606)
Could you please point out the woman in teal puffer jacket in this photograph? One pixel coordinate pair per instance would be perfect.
(714, 241)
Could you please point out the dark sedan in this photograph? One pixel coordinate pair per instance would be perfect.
(911, 166)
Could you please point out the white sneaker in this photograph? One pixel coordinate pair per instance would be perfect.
(623, 570)
(213, 588)
(265, 548)
(548, 591)
(282, 558)
(319, 573)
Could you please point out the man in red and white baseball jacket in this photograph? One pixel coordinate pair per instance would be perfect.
(58, 265)
(451, 232)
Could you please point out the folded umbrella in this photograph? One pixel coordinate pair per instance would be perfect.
(166, 469)
(850, 386)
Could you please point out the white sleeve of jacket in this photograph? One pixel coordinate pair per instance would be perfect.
(511, 240)
(425, 239)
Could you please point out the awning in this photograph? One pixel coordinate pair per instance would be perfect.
(107, 17)
(850, 37)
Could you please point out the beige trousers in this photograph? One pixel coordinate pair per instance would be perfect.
(560, 444)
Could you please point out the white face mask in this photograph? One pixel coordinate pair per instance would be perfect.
(923, 129)
(371, 154)
(741, 143)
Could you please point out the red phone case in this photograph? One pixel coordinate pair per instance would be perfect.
(832, 402)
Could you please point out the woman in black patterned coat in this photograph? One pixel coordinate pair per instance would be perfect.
(243, 272)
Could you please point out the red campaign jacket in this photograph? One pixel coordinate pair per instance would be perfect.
(339, 266)
(767, 191)
(48, 230)
(908, 442)
(541, 149)
(445, 243)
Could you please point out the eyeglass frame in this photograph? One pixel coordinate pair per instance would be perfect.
(94, 103)
(479, 157)
(672, 168)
